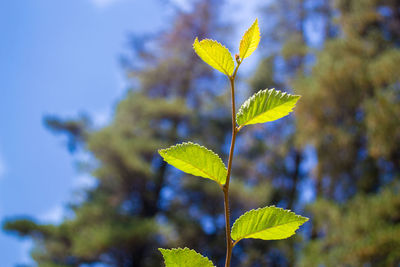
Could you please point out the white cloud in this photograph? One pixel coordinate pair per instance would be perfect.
(185, 5)
(83, 156)
(101, 118)
(84, 181)
(54, 215)
(2, 167)
(25, 251)
(103, 3)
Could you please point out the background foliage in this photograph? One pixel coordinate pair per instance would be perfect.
(347, 122)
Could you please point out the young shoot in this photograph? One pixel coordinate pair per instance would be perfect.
(267, 223)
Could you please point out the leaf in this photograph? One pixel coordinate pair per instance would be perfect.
(249, 41)
(185, 257)
(269, 223)
(197, 160)
(215, 54)
(266, 105)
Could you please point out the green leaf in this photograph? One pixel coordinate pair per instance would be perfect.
(197, 160)
(266, 105)
(249, 41)
(269, 223)
(185, 257)
(215, 54)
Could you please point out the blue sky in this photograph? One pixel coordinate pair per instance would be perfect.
(57, 57)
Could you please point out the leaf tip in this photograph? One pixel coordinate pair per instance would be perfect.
(161, 151)
(195, 44)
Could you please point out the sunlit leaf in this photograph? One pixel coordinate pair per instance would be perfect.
(197, 160)
(184, 258)
(249, 41)
(215, 54)
(266, 105)
(269, 223)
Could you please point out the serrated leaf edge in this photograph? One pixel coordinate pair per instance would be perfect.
(242, 40)
(305, 219)
(247, 103)
(195, 144)
(184, 249)
(215, 41)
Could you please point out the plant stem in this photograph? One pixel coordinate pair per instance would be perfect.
(229, 242)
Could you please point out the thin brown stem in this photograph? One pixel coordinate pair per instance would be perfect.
(234, 132)
(229, 242)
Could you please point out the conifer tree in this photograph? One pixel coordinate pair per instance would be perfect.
(350, 116)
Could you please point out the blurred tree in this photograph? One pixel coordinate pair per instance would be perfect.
(350, 114)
